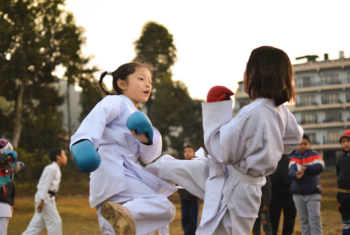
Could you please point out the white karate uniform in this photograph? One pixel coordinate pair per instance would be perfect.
(242, 151)
(120, 178)
(5, 215)
(49, 181)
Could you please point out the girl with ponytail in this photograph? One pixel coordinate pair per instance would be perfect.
(129, 199)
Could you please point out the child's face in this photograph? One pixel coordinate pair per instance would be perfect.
(345, 144)
(189, 153)
(138, 85)
(303, 146)
(61, 160)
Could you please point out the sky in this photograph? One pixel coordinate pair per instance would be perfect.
(213, 38)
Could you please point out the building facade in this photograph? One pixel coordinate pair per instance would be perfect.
(322, 104)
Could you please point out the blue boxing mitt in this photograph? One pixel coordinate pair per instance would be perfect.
(140, 123)
(13, 155)
(15, 165)
(86, 158)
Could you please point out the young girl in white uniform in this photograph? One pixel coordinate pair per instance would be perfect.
(120, 185)
(243, 150)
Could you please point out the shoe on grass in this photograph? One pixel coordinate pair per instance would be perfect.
(119, 217)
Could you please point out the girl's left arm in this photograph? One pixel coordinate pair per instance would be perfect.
(293, 135)
(150, 152)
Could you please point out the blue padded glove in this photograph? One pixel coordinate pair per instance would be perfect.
(15, 165)
(13, 155)
(140, 123)
(86, 158)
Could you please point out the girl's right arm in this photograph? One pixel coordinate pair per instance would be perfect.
(94, 124)
(87, 138)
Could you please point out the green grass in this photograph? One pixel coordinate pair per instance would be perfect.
(78, 218)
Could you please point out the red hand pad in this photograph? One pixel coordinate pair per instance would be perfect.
(219, 93)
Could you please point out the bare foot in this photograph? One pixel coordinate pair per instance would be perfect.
(119, 217)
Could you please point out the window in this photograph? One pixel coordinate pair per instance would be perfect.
(332, 79)
(333, 137)
(307, 100)
(330, 98)
(312, 137)
(307, 81)
(308, 118)
(333, 117)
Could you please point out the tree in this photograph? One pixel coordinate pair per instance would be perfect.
(170, 108)
(35, 37)
(89, 96)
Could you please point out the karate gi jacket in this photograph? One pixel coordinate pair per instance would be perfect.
(243, 151)
(49, 181)
(105, 126)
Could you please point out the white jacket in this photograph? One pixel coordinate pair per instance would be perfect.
(243, 150)
(105, 127)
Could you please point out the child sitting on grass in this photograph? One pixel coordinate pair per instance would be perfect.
(343, 173)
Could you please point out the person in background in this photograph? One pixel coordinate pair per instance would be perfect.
(282, 198)
(305, 168)
(46, 214)
(264, 212)
(343, 173)
(189, 202)
(7, 186)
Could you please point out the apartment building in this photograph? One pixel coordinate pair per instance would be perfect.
(322, 105)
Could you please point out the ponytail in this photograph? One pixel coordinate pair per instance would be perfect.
(101, 84)
(122, 73)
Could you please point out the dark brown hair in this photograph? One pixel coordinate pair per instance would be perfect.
(122, 73)
(190, 146)
(269, 74)
(54, 152)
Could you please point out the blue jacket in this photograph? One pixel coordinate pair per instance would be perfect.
(310, 183)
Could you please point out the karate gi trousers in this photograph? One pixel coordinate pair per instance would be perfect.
(192, 176)
(48, 218)
(151, 211)
(4, 222)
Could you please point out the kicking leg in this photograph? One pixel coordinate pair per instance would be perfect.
(149, 210)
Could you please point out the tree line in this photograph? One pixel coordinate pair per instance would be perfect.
(36, 38)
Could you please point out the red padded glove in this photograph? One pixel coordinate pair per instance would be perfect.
(219, 93)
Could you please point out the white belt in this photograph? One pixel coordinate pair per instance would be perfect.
(248, 179)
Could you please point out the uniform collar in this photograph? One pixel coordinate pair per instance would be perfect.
(127, 100)
(56, 165)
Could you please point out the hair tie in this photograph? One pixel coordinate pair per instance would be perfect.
(109, 73)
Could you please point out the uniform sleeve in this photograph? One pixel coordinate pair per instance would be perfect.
(94, 124)
(293, 135)
(148, 153)
(216, 117)
(45, 181)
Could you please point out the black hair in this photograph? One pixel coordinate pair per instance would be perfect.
(122, 73)
(269, 74)
(306, 137)
(54, 152)
(190, 146)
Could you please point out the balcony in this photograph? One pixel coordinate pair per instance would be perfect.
(316, 106)
(321, 87)
(323, 125)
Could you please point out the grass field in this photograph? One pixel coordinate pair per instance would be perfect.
(78, 218)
